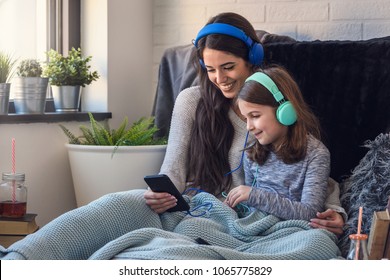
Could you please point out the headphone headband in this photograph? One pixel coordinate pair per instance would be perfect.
(268, 83)
(285, 113)
(224, 29)
(256, 52)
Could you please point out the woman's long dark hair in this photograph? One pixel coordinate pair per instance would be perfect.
(212, 133)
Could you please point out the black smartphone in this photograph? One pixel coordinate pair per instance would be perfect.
(162, 183)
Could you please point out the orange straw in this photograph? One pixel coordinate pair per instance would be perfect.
(358, 232)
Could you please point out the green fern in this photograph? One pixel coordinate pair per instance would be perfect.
(101, 134)
(118, 134)
(141, 132)
(87, 136)
(72, 138)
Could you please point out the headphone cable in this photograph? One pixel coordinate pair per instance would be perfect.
(242, 156)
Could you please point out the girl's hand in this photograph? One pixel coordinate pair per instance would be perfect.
(238, 195)
(159, 202)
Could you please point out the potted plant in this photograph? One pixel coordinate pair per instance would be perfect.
(104, 160)
(29, 88)
(6, 70)
(67, 76)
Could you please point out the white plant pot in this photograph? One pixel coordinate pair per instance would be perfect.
(95, 172)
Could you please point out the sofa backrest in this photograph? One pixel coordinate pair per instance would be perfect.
(347, 84)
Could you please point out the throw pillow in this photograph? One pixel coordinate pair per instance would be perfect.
(368, 186)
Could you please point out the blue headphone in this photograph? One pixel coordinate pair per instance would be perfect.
(256, 52)
(285, 113)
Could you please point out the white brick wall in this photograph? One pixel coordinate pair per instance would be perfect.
(176, 22)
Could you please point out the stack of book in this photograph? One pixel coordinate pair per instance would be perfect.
(379, 237)
(14, 229)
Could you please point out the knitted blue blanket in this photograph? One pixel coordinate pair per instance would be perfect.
(122, 226)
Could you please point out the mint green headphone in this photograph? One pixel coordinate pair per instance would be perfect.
(285, 113)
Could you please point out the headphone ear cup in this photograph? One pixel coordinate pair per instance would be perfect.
(256, 54)
(286, 114)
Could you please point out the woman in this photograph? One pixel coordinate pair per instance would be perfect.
(207, 131)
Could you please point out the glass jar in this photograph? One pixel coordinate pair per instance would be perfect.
(13, 195)
(358, 248)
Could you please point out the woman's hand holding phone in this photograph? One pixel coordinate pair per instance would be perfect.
(164, 195)
(160, 202)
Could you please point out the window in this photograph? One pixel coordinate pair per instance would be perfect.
(25, 34)
(64, 27)
(32, 28)
(35, 26)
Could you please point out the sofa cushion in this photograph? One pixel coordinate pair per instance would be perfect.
(368, 186)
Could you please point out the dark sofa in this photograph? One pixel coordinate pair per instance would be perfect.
(347, 84)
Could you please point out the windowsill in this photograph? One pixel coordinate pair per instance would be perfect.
(50, 116)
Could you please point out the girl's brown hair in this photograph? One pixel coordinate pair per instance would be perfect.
(293, 148)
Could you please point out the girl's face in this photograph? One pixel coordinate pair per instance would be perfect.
(261, 121)
(226, 71)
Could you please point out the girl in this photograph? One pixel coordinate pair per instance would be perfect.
(287, 169)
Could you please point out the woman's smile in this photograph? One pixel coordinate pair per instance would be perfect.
(226, 87)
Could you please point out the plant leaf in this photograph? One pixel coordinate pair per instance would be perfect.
(100, 133)
(139, 133)
(72, 138)
(118, 134)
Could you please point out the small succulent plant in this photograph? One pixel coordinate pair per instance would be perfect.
(29, 68)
